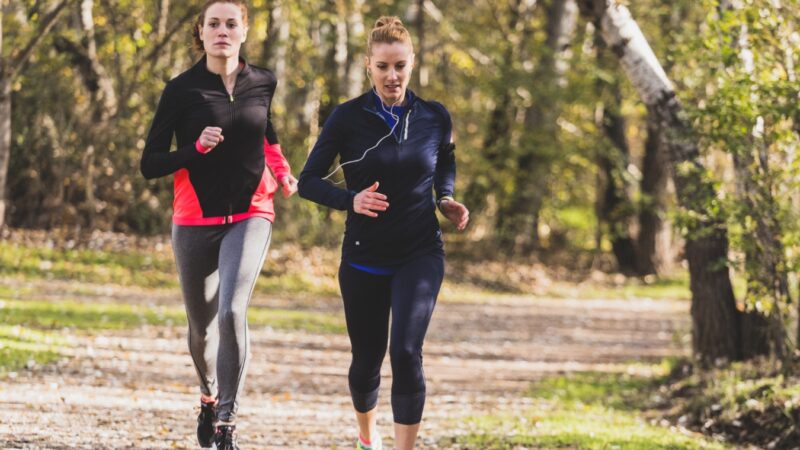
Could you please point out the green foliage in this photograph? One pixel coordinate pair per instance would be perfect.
(748, 111)
(589, 410)
(755, 403)
(66, 171)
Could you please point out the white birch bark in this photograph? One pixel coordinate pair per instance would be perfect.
(358, 42)
(340, 53)
(623, 35)
(104, 97)
(716, 332)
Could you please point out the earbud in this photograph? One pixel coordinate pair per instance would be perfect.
(390, 111)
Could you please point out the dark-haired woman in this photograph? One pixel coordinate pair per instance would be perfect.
(396, 150)
(219, 113)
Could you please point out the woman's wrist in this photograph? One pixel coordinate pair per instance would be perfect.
(444, 198)
(200, 148)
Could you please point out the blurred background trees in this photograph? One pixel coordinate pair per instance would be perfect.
(559, 151)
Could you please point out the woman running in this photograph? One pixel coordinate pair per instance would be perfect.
(219, 112)
(395, 149)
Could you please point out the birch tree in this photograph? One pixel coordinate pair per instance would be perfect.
(715, 319)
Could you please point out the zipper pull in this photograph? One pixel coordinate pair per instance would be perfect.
(231, 97)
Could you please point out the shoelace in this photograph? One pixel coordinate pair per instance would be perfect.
(228, 438)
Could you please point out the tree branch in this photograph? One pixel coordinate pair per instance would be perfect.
(18, 63)
(157, 49)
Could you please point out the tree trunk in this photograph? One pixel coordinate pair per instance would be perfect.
(53, 202)
(356, 38)
(5, 122)
(161, 33)
(495, 141)
(764, 261)
(163, 16)
(419, 58)
(340, 52)
(615, 207)
(104, 104)
(5, 143)
(651, 256)
(518, 221)
(276, 49)
(716, 330)
(615, 203)
(311, 108)
(656, 251)
(10, 69)
(765, 265)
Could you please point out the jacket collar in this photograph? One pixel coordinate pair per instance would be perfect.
(367, 100)
(201, 67)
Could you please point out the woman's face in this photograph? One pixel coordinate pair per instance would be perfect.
(223, 30)
(390, 67)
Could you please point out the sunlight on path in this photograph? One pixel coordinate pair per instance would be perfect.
(132, 389)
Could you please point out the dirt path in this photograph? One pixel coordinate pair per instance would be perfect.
(134, 389)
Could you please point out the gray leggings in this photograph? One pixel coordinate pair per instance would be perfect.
(218, 266)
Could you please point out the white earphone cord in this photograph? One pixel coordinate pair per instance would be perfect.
(397, 121)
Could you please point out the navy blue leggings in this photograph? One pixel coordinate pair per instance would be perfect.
(410, 295)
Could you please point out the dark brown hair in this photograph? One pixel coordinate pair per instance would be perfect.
(388, 30)
(198, 44)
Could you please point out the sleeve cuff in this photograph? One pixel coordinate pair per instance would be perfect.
(351, 197)
(443, 198)
(199, 147)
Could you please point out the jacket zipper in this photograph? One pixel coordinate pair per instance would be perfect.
(233, 115)
(229, 217)
(404, 130)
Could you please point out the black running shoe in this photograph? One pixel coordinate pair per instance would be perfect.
(205, 424)
(225, 437)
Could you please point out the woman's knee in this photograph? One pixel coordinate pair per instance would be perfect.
(231, 318)
(406, 359)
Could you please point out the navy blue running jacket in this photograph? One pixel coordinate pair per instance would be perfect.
(409, 165)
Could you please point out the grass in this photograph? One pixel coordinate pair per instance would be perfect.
(147, 270)
(89, 317)
(130, 268)
(30, 330)
(590, 410)
(755, 402)
(36, 323)
(674, 287)
(156, 269)
(22, 347)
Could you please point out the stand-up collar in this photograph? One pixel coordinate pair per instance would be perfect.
(368, 100)
(203, 67)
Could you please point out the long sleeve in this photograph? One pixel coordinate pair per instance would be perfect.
(445, 177)
(273, 154)
(157, 159)
(311, 186)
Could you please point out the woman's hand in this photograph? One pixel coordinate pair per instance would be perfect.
(289, 185)
(455, 212)
(210, 138)
(369, 200)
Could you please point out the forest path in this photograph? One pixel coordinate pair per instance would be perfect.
(135, 388)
